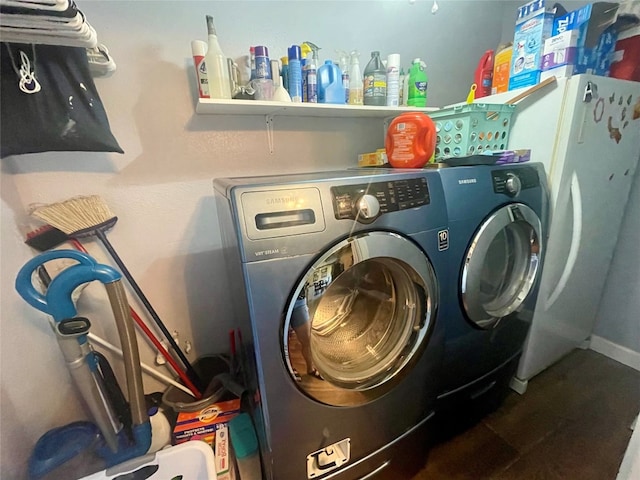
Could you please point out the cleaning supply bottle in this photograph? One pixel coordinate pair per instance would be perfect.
(344, 67)
(401, 99)
(411, 140)
(375, 81)
(417, 85)
(330, 89)
(216, 64)
(405, 88)
(262, 62)
(199, 50)
(484, 74)
(285, 72)
(393, 80)
(355, 79)
(252, 62)
(312, 73)
(295, 74)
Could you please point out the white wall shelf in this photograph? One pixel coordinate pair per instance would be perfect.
(208, 106)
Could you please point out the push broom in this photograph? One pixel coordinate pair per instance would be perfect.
(89, 216)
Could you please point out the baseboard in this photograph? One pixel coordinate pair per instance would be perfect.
(621, 354)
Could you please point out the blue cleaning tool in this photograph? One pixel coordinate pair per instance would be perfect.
(71, 332)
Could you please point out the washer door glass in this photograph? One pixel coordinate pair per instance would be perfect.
(359, 318)
(501, 264)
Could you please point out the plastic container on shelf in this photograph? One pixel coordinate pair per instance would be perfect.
(471, 129)
(374, 90)
(199, 50)
(484, 75)
(410, 141)
(285, 72)
(263, 64)
(343, 63)
(216, 64)
(295, 74)
(355, 79)
(417, 94)
(330, 89)
(393, 80)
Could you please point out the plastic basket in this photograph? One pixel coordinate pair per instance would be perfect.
(472, 128)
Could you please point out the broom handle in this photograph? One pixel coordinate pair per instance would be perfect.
(191, 373)
(183, 376)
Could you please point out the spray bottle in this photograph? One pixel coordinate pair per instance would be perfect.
(344, 67)
(355, 79)
(312, 73)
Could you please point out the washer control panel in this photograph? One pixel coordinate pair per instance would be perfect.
(512, 181)
(366, 202)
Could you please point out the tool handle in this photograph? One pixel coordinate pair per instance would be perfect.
(57, 301)
(163, 351)
(24, 285)
(190, 371)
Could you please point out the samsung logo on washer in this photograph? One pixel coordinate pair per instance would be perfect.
(466, 181)
(282, 200)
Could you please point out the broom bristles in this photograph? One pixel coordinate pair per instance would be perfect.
(75, 214)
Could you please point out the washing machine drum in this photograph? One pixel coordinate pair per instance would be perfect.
(501, 265)
(360, 316)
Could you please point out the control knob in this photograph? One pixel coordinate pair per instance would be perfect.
(367, 207)
(513, 185)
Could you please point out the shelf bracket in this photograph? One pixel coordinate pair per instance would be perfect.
(269, 121)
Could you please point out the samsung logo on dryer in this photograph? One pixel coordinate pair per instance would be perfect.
(465, 181)
(282, 200)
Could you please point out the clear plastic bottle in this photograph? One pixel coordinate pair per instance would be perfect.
(216, 63)
(355, 79)
(344, 67)
(375, 81)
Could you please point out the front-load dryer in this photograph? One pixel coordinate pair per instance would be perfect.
(497, 227)
(337, 281)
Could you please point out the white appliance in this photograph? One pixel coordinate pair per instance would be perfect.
(586, 132)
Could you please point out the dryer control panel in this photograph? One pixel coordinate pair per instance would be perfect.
(512, 181)
(366, 202)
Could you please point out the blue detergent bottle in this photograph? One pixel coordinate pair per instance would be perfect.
(330, 87)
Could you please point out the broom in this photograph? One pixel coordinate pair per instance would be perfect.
(87, 216)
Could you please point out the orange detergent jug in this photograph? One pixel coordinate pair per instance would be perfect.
(410, 140)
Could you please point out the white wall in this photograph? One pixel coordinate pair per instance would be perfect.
(161, 189)
(618, 315)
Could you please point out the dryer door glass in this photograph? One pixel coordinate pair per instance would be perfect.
(501, 264)
(359, 318)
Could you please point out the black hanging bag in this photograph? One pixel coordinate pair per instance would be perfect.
(49, 102)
